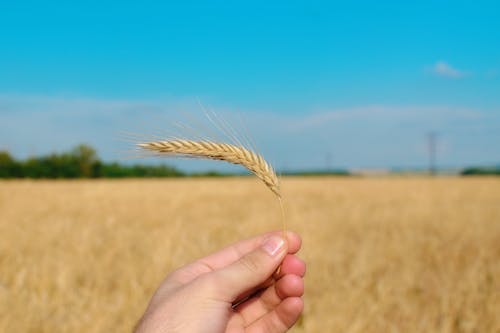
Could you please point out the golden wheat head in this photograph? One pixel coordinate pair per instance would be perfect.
(254, 162)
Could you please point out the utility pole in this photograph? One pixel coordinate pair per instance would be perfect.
(432, 140)
(328, 162)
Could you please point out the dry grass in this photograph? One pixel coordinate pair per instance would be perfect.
(384, 255)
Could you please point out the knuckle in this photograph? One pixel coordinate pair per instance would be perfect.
(250, 263)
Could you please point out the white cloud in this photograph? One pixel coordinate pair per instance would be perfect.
(364, 136)
(381, 114)
(444, 69)
(38, 124)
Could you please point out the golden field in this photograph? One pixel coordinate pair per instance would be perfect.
(383, 254)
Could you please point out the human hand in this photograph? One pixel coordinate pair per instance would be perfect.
(234, 290)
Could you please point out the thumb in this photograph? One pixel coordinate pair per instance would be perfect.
(251, 269)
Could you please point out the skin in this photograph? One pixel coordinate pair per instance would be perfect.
(237, 289)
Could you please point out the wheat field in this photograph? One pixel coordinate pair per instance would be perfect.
(383, 254)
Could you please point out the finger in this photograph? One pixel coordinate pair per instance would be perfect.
(280, 319)
(226, 257)
(235, 251)
(249, 271)
(290, 265)
(267, 301)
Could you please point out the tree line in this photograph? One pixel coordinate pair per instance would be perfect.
(80, 162)
(473, 171)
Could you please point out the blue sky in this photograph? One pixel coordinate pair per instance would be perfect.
(367, 80)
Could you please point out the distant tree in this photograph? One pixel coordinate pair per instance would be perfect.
(210, 173)
(51, 166)
(80, 162)
(481, 171)
(86, 159)
(8, 166)
(115, 170)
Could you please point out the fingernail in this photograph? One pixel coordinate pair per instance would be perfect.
(273, 245)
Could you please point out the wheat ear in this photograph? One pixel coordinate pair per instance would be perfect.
(219, 151)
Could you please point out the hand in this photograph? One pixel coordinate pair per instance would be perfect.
(235, 290)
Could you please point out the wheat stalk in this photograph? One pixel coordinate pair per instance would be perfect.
(254, 162)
